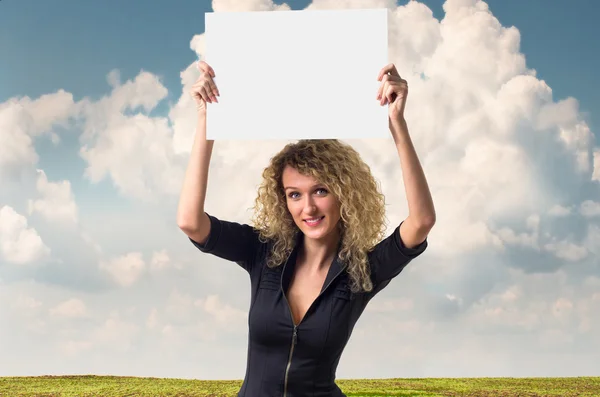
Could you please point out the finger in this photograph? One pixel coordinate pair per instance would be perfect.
(213, 88)
(206, 68)
(389, 68)
(384, 88)
(386, 97)
(380, 89)
(389, 93)
(208, 88)
(196, 96)
(203, 66)
(403, 87)
(204, 94)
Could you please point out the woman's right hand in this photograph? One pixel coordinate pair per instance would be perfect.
(204, 89)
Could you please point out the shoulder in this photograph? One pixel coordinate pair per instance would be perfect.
(389, 257)
(392, 247)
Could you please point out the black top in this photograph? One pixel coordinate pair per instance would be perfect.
(285, 359)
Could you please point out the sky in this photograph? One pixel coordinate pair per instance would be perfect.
(96, 126)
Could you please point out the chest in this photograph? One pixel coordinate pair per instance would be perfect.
(304, 288)
(317, 312)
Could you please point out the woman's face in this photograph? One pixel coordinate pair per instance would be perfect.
(314, 209)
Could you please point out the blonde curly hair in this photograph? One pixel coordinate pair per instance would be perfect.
(362, 206)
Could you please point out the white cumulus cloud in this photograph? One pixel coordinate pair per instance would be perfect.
(19, 244)
(22, 120)
(126, 269)
(57, 202)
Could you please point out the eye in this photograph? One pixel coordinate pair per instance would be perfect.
(321, 191)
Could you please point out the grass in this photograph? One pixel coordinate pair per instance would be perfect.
(113, 386)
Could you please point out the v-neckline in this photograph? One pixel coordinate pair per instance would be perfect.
(289, 268)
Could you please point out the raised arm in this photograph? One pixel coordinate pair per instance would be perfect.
(228, 240)
(191, 218)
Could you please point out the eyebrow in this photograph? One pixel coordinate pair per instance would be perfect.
(312, 187)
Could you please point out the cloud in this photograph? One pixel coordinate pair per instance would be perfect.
(22, 120)
(590, 208)
(161, 261)
(27, 303)
(391, 305)
(72, 308)
(350, 4)
(510, 259)
(57, 202)
(567, 251)
(487, 130)
(88, 240)
(181, 307)
(19, 244)
(523, 239)
(113, 335)
(116, 333)
(73, 348)
(223, 313)
(128, 269)
(125, 270)
(592, 240)
(558, 210)
(134, 151)
(247, 5)
(596, 173)
(545, 305)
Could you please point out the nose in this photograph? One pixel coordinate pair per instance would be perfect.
(309, 206)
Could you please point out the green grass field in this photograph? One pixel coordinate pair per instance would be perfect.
(112, 386)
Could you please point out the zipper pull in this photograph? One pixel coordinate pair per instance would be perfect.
(294, 338)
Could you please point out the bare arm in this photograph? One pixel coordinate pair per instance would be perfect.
(421, 212)
(191, 218)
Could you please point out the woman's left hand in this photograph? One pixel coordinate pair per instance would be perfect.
(393, 91)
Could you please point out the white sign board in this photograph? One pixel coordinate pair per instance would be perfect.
(297, 74)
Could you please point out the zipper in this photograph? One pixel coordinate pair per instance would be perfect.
(295, 332)
(287, 369)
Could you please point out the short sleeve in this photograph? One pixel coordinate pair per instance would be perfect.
(231, 241)
(390, 257)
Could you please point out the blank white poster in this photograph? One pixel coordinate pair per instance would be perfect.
(297, 74)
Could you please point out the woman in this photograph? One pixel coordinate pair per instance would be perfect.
(315, 255)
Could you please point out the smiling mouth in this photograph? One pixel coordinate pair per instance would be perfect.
(314, 221)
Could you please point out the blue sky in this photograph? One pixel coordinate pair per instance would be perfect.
(72, 44)
(95, 276)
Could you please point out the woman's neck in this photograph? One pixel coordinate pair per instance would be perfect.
(318, 254)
